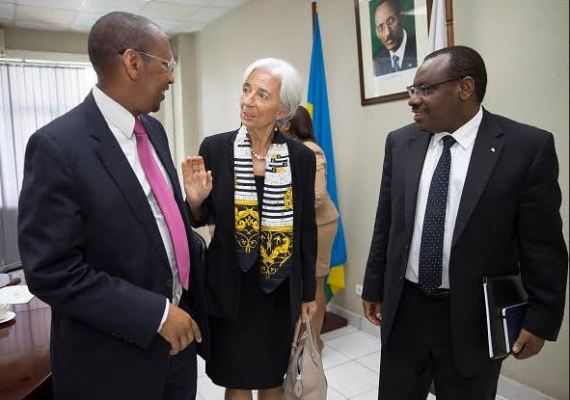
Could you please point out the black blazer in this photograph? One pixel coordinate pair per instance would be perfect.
(508, 222)
(223, 275)
(91, 249)
(383, 61)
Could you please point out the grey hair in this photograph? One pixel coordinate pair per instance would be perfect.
(291, 91)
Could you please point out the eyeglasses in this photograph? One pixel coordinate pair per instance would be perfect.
(170, 65)
(426, 90)
(389, 22)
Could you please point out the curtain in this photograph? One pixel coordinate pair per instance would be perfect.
(31, 95)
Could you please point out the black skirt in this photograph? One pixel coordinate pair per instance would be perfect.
(252, 352)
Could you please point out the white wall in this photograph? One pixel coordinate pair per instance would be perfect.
(526, 50)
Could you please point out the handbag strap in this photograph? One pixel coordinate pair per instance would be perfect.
(308, 329)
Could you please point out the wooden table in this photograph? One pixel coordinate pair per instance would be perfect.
(24, 352)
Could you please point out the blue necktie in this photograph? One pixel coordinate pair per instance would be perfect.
(395, 65)
(431, 248)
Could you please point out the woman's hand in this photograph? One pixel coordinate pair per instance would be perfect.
(308, 311)
(197, 181)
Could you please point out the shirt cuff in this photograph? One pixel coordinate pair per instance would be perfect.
(164, 316)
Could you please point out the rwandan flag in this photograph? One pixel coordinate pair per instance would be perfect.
(318, 106)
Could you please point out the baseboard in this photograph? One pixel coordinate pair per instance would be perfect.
(508, 388)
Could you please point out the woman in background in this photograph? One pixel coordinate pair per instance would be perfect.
(257, 186)
(300, 127)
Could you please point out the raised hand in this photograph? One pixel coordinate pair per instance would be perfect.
(197, 181)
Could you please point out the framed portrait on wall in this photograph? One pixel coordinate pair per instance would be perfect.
(392, 41)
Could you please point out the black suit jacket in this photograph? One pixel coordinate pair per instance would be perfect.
(383, 61)
(508, 222)
(91, 249)
(223, 274)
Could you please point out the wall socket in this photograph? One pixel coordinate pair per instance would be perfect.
(358, 289)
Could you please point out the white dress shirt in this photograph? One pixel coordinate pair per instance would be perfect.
(122, 124)
(460, 157)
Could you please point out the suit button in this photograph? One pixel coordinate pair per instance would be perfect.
(169, 283)
(401, 277)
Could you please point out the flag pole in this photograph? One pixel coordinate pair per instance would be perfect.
(314, 4)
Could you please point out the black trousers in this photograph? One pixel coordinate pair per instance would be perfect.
(182, 375)
(419, 351)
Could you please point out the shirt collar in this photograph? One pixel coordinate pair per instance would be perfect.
(401, 50)
(467, 133)
(114, 113)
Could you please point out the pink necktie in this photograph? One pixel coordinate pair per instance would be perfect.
(166, 202)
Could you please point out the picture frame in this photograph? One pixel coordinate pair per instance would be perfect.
(405, 32)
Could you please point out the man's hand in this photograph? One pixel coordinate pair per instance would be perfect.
(179, 329)
(372, 312)
(197, 181)
(527, 345)
(308, 311)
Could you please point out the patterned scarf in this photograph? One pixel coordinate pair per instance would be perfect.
(273, 248)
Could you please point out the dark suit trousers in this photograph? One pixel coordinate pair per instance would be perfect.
(181, 381)
(419, 350)
(182, 374)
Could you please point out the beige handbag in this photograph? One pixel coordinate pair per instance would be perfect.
(305, 378)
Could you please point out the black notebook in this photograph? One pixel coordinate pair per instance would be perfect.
(505, 303)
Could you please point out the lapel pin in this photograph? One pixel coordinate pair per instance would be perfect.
(493, 149)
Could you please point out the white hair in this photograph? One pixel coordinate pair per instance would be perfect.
(291, 91)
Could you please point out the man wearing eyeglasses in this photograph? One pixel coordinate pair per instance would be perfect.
(398, 51)
(104, 232)
(464, 194)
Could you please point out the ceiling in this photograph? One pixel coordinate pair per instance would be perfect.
(174, 16)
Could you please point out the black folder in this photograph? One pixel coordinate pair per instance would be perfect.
(505, 302)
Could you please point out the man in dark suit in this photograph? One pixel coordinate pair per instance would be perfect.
(464, 194)
(104, 232)
(398, 51)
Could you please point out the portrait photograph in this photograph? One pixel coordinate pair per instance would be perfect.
(392, 41)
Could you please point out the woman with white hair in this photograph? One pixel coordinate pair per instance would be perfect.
(257, 187)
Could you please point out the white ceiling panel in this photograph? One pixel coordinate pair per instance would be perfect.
(42, 15)
(172, 11)
(84, 20)
(62, 4)
(167, 25)
(209, 14)
(107, 6)
(174, 16)
(195, 3)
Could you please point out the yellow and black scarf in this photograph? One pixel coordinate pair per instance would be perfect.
(268, 239)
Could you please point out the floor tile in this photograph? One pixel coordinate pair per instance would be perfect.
(332, 358)
(371, 361)
(351, 379)
(208, 390)
(511, 389)
(201, 367)
(355, 345)
(334, 395)
(370, 395)
(338, 332)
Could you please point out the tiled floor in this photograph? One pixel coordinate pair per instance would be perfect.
(351, 359)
